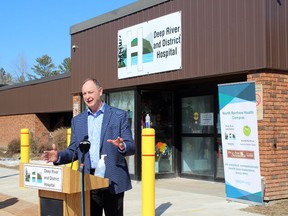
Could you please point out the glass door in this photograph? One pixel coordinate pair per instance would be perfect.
(197, 136)
(159, 107)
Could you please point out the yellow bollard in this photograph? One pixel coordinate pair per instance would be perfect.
(75, 163)
(68, 136)
(25, 145)
(148, 172)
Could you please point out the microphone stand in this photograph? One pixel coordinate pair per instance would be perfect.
(82, 184)
(84, 148)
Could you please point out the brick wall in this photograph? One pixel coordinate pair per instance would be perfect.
(273, 133)
(10, 127)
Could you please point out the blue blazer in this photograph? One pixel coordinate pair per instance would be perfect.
(115, 123)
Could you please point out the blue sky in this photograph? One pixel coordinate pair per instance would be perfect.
(32, 28)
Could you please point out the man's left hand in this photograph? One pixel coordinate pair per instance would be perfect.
(118, 143)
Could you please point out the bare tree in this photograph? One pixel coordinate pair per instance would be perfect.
(20, 69)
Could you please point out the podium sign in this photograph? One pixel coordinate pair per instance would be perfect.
(59, 188)
(43, 177)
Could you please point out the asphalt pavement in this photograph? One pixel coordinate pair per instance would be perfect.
(176, 196)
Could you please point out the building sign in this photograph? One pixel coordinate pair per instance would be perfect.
(150, 47)
(43, 177)
(239, 132)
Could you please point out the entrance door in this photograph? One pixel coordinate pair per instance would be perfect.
(159, 107)
(197, 136)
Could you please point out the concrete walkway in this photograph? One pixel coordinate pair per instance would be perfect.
(177, 197)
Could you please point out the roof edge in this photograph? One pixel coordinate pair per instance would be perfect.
(115, 14)
(37, 81)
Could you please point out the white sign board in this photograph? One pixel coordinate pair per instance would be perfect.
(206, 119)
(43, 177)
(150, 47)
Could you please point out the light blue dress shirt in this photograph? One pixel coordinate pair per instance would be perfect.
(94, 133)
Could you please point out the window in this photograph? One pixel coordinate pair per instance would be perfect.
(125, 101)
(197, 115)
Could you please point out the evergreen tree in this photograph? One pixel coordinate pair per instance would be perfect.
(65, 66)
(44, 68)
(5, 78)
(120, 53)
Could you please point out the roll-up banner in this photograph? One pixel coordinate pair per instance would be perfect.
(239, 132)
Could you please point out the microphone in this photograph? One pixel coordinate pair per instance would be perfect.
(84, 145)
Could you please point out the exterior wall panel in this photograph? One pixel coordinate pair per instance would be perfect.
(41, 97)
(277, 34)
(218, 37)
